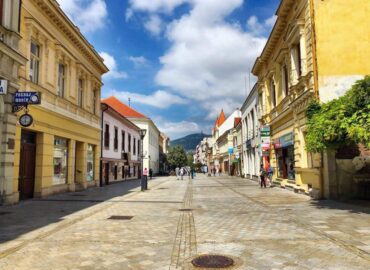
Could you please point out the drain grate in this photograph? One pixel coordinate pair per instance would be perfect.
(212, 261)
(4, 213)
(121, 217)
(185, 210)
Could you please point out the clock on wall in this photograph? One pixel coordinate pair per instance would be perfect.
(25, 120)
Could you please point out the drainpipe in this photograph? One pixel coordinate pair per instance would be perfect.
(314, 52)
(104, 107)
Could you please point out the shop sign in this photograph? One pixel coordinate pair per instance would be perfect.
(265, 131)
(265, 137)
(3, 87)
(26, 98)
(284, 141)
(230, 150)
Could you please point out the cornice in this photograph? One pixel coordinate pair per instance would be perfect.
(52, 10)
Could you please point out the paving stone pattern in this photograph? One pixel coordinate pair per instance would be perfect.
(258, 228)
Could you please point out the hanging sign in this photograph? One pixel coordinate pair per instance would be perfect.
(26, 98)
(3, 87)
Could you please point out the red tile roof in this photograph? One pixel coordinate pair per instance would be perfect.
(221, 119)
(122, 108)
(237, 121)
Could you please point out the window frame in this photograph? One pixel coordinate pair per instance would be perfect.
(129, 142)
(115, 141)
(61, 79)
(273, 93)
(106, 136)
(80, 92)
(35, 59)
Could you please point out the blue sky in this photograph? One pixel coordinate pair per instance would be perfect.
(179, 61)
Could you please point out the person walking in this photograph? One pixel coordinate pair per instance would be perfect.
(270, 173)
(182, 171)
(177, 172)
(145, 174)
(262, 177)
(150, 173)
(192, 173)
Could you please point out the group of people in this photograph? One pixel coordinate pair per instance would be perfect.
(214, 171)
(184, 171)
(266, 176)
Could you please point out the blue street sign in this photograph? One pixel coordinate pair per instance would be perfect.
(26, 98)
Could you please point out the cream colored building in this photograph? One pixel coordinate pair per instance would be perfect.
(10, 61)
(60, 151)
(317, 49)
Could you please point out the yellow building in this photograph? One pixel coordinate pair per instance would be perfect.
(317, 49)
(60, 151)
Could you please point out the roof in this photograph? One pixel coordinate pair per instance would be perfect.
(221, 119)
(237, 121)
(122, 108)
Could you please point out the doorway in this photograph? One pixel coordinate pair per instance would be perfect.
(106, 173)
(27, 165)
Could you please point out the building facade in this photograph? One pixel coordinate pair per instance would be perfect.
(10, 61)
(315, 50)
(151, 139)
(121, 147)
(236, 157)
(164, 143)
(252, 150)
(60, 151)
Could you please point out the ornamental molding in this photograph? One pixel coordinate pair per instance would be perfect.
(52, 10)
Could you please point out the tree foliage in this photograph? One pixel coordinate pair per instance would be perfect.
(342, 121)
(176, 156)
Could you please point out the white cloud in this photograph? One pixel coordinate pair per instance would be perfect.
(154, 6)
(159, 99)
(154, 25)
(129, 13)
(138, 61)
(110, 62)
(89, 16)
(260, 28)
(177, 130)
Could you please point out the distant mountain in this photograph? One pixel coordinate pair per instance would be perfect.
(190, 142)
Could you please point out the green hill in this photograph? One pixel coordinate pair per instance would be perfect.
(189, 142)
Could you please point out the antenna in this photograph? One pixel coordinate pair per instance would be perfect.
(129, 102)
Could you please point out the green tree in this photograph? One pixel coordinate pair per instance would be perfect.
(176, 156)
(190, 159)
(340, 122)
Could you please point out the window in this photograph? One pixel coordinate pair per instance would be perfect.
(60, 161)
(298, 59)
(273, 93)
(106, 136)
(129, 143)
(34, 62)
(115, 138)
(134, 148)
(138, 147)
(123, 141)
(61, 80)
(1, 12)
(94, 101)
(90, 163)
(285, 78)
(80, 92)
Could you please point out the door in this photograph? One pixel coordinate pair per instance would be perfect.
(27, 165)
(106, 173)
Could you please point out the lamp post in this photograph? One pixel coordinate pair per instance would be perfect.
(142, 133)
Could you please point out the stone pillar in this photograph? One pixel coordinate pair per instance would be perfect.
(44, 164)
(71, 165)
(329, 175)
(81, 166)
(97, 164)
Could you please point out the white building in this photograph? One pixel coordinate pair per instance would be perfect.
(201, 151)
(121, 146)
(151, 139)
(251, 141)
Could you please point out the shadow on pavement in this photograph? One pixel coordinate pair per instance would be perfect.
(30, 215)
(355, 206)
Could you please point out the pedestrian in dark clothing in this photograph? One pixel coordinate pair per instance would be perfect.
(150, 173)
(262, 177)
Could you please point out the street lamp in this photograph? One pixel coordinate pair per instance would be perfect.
(142, 133)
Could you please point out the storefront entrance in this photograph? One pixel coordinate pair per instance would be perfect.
(27, 165)
(284, 149)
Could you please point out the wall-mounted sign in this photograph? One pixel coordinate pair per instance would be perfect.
(230, 150)
(3, 87)
(26, 98)
(25, 120)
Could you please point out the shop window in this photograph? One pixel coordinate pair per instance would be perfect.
(34, 62)
(285, 162)
(115, 138)
(115, 172)
(80, 92)
(61, 79)
(60, 161)
(106, 136)
(90, 162)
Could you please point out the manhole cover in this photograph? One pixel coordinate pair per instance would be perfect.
(212, 261)
(5, 213)
(120, 217)
(185, 210)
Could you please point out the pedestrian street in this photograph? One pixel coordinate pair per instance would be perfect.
(168, 226)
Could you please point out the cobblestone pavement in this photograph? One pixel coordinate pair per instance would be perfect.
(176, 220)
